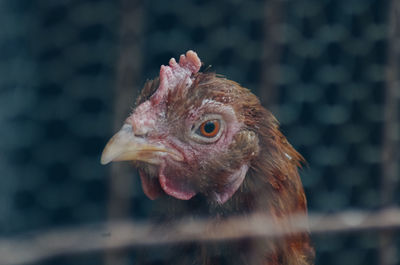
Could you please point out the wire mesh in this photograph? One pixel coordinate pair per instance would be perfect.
(71, 70)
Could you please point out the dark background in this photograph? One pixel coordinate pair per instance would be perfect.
(70, 71)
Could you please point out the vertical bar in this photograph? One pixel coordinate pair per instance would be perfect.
(128, 76)
(391, 132)
(268, 91)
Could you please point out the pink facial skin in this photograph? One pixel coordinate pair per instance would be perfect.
(184, 179)
(176, 178)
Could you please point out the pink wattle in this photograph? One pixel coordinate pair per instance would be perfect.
(176, 187)
(154, 187)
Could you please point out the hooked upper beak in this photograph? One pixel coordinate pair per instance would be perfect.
(124, 145)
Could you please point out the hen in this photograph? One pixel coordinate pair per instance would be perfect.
(203, 141)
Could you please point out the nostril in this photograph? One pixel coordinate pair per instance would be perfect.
(130, 129)
(140, 131)
(140, 135)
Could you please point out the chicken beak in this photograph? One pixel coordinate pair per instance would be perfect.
(124, 146)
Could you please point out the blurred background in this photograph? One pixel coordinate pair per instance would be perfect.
(70, 71)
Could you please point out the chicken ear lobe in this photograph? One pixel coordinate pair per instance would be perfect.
(175, 183)
(235, 180)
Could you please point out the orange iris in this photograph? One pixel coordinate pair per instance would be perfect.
(210, 128)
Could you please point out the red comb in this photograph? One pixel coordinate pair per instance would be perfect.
(174, 74)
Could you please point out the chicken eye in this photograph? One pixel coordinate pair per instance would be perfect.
(209, 128)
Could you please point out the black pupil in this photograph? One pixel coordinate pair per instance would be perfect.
(209, 127)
